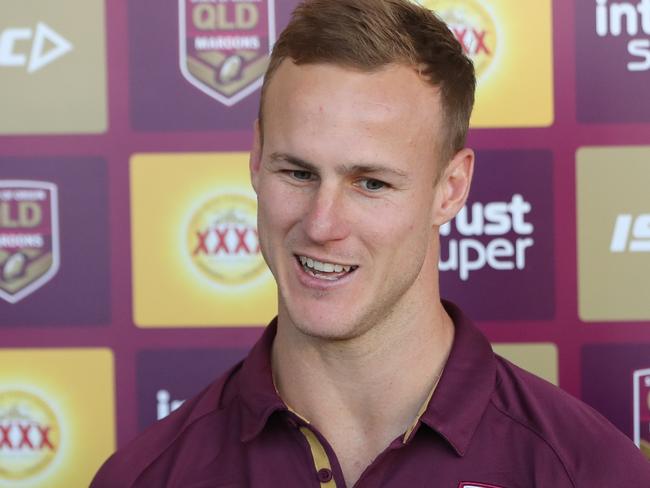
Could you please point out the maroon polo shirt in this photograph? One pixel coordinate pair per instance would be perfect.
(488, 424)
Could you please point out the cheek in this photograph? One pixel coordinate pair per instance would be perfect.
(277, 209)
(270, 232)
(406, 240)
(385, 232)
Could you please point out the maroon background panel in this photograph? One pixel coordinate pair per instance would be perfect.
(161, 99)
(613, 61)
(79, 292)
(507, 223)
(153, 109)
(607, 372)
(168, 375)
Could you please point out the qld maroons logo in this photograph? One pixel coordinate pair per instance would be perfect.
(473, 26)
(225, 45)
(222, 240)
(641, 386)
(29, 237)
(30, 436)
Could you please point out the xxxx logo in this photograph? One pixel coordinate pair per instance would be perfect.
(227, 240)
(29, 435)
(472, 25)
(223, 242)
(225, 45)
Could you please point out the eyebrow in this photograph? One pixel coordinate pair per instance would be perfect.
(345, 169)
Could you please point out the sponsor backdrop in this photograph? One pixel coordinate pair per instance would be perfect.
(130, 269)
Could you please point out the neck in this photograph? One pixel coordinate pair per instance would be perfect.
(362, 368)
(362, 393)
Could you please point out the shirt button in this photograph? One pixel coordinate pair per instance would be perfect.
(324, 475)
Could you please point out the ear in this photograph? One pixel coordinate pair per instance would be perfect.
(453, 187)
(255, 160)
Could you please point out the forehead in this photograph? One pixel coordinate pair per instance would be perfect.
(393, 103)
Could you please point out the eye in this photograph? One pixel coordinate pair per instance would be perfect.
(299, 174)
(372, 185)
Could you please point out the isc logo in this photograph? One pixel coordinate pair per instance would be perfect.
(15, 50)
(631, 234)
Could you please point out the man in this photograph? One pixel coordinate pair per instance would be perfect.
(365, 378)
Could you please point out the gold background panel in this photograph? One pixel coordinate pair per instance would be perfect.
(611, 181)
(78, 386)
(169, 289)
(537, 358)
(516, 89)
(67, 95)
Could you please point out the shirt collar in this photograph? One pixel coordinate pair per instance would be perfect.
(466, 384)
(454, 410)
(257, 392)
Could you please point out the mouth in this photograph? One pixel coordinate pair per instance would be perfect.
(324, 270)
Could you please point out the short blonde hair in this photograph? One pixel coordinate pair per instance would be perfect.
(370, 34)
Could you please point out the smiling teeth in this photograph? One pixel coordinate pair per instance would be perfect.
(324, 267)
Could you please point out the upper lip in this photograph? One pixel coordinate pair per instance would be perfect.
(325, 260)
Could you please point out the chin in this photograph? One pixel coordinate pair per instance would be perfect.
(327, 327)
(329, 332)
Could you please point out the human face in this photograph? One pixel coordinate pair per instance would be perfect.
(346, 207)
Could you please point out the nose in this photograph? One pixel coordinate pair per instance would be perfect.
(326, 218)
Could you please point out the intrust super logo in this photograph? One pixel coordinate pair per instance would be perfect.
(167, 377)
(496, 255)
(473, 26)
(222, 240)
(613, 233)
(30, 435)
(165, 404)
(29, 237)
(619, 31)
(496, 221)
(630, 20)
(225, 45)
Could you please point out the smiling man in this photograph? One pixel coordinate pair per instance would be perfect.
(366, 378)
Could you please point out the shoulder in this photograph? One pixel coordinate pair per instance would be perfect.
(591, 450)
(199, 416)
